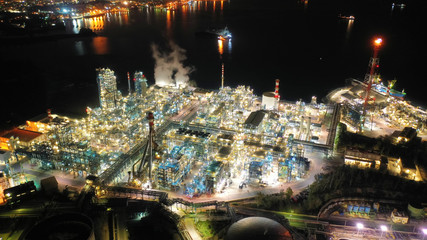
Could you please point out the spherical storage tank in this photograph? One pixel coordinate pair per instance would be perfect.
(65, 226)
(257, 228)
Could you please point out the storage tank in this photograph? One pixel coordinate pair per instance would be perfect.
(254, 228)
(70, 226)
(269, 102)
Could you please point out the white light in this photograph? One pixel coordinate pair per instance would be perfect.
(383, 228)
(424, 231)
(359, 225)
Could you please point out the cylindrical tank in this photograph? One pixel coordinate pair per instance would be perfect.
(252, 228)
(268, 100)
(74, 226)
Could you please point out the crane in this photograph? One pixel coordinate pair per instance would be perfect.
(373, 64)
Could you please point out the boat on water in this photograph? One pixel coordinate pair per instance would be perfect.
(351, 17)
(223, 34)
(400, 5)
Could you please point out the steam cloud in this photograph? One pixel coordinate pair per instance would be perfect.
(169, 69)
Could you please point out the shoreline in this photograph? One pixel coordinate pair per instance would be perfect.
(28, 39)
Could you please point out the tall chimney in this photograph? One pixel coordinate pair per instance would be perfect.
(276, 90)
(49, 114)
(130, 90)
(222, 76)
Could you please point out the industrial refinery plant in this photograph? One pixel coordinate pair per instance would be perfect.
(183, 139)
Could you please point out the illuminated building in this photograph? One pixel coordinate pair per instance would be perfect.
(269, 102)
(19, 192)
(253, 122)
(362, 159)
(107, 87)
(399, 217)
(403, 167)
(140, 84)
(214, 174)
(406, 135)
(206, 138)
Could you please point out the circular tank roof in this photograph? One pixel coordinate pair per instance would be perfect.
(66, 226)
(257, 228)
(268, 94)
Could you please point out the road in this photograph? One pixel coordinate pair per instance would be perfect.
(342, 227)
(32, 172)
(191, 229)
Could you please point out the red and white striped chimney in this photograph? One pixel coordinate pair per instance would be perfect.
(150, 118)
(276, 90)
(49, 114)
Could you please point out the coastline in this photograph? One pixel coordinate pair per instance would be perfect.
(32, 38)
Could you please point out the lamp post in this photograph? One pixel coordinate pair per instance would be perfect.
(424, 230)
(359, 227)
(383, 229)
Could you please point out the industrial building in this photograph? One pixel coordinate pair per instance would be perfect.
(202, 141)
(107, 87)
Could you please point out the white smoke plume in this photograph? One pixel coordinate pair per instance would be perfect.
(169, 68)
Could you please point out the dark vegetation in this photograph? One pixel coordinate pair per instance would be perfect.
(281, 201)
(348, 181)
(345, 181)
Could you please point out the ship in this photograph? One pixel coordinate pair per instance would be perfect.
(351, 17)
(221, 34)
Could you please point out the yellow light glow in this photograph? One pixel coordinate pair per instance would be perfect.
(220, 47)
(378, 41)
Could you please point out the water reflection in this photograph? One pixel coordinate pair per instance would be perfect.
(221, 44)
(148, 13)
(100, 45)
(349, 27)
(220, 47)
(125, 17)
(95, 23)
(168, 21)
(80, 51)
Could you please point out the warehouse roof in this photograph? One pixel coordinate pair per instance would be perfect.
(254, 119)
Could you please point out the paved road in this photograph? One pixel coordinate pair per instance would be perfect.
(191, 228)
(34, 173)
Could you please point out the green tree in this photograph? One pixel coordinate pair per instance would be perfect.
(259, 199)
(289, 193)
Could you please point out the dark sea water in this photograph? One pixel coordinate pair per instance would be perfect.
(302, 43)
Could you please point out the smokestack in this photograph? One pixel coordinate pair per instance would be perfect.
(276, 90)
(301, 127)
(49, 114)
(222, 76)
(130, 90)
(150, 118)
